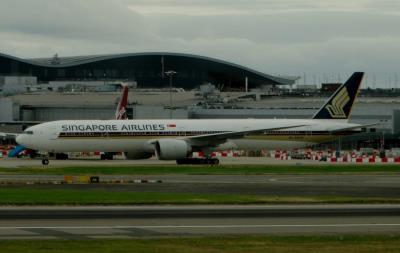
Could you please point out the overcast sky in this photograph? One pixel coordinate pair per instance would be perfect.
(326, 40)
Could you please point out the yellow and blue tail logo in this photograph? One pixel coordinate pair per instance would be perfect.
(336, 108)
(341, 102)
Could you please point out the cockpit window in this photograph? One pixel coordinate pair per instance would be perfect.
(28, 132)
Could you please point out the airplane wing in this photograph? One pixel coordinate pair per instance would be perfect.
(219, 138)
(8, 135)
(353, 127)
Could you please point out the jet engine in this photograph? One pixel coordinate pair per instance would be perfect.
(171, 149)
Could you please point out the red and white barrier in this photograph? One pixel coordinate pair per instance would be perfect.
(349, 157)
(4, 152)
(225, 154)
(368, 160)
(217, 154)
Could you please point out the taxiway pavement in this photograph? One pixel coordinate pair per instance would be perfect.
(26, 162)
(352, 185)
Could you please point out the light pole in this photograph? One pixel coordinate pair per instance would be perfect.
(170, 73)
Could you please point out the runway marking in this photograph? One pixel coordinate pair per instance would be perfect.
(209, 226)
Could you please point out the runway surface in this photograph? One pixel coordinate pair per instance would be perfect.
(167, 221)
(353, 185)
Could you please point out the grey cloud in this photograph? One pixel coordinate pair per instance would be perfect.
(282, 28)
(284, 36)
(73, 18)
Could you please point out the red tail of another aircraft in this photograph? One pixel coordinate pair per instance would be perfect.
(123, 102)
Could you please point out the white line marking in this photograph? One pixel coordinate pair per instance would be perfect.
(208, 226)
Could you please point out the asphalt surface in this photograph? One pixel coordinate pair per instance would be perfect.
(170, 221)
(352, 185)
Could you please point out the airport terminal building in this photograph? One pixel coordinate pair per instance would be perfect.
(148, 70)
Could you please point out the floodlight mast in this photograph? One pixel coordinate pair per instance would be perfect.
(170, 74)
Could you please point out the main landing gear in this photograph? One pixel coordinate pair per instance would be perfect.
(191, 160)
(57, 156)
(107, 156)
(45, 161)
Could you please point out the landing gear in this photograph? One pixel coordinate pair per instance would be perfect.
(61, 156)
(33, 154)
(107, 156)
(45, 158)
(191, 160)
(45, 161)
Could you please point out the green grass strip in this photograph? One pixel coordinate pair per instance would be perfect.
(31, 196)
(231, 244)
(201, 169)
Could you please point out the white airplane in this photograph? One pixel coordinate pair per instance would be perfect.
(177, 139)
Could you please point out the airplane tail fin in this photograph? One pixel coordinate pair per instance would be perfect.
(340, 104)
(120, 113)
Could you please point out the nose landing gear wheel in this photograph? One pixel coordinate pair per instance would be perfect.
(45, 161)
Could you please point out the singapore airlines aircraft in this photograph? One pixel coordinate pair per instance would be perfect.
(177, 139)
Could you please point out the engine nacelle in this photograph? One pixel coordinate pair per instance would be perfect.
(171, 149)
(136, 155)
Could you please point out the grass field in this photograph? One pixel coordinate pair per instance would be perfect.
(33, 196)
(248, 244)
(201, 169)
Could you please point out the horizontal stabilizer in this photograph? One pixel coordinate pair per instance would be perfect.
(8, 135)
(354, 127)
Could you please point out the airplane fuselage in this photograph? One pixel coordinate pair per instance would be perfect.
(134, 135)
